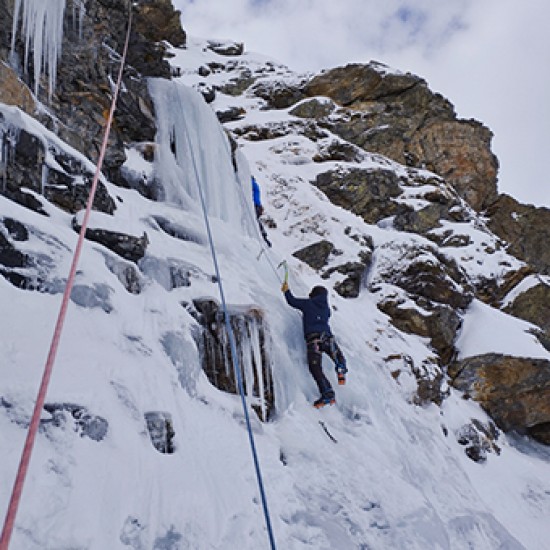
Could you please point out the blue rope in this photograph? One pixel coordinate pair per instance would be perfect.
(236, 364)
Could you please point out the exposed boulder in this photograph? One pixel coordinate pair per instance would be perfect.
(338, 151)
(478, 439)
(9, 255)
(63, 415)
(278, 94)
(367, 193)
(354, 272)
(515, 391)
(29, 270)
(16, 230)
(440, 324)
(428, 276)
(315, 255)
(460, 152)
(239, 83)
(22, 167)
(161, 431)
(356, 85)
(128, 247)
(274, 130)
(231, 114)
(420, 221)
(314, 108)
(226, 48)
(207, 91)
(525, 227)
(126, 273)
(423, 383)
(493, 290)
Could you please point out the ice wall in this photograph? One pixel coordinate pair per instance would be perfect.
(42, 31)
(192, 150)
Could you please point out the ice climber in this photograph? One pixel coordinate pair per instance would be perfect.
(259, 208)
(315, 315)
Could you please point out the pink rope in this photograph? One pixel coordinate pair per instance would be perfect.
(41, 397)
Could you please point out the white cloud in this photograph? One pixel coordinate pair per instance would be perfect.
(488, 57)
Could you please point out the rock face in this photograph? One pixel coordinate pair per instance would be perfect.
(157, 20)
(128, 247)
(396, 115)
(525, 227)
(533, 305)
(14, 91)
(82, 96)
(439, 323)
(514, 391)
(366, 193)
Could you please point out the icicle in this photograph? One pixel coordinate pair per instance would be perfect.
(10, 137)
(42, 30)
(4, 161)
(44, 178)
(258, 363)
(78, 5)
(246, 358)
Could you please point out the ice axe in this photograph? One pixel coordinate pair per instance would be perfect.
(285, 266)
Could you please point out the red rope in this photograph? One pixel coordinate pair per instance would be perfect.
(35, 420)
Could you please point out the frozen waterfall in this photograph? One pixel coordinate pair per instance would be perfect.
(192, 149)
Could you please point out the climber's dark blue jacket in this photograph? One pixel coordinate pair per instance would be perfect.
(315, 310)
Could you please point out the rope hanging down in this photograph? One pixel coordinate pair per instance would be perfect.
(248, 209)
(252, 218)
(233, 347)
(41, 397)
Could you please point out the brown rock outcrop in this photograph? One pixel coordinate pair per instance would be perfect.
(398, 116)
(440, 325)
(533, 305)
(14, 91)
(367, 193)
(460, 152)
(157, 20)
(515, 391)
(525, 227)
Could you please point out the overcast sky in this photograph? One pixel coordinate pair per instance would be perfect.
(490, 58)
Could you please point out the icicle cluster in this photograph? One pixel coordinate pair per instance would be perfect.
(42, 30)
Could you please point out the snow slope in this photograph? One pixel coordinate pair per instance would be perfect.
(395, 478)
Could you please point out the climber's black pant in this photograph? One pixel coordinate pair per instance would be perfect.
(317, 344)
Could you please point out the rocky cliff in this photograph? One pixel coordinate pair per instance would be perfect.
(346, 113)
